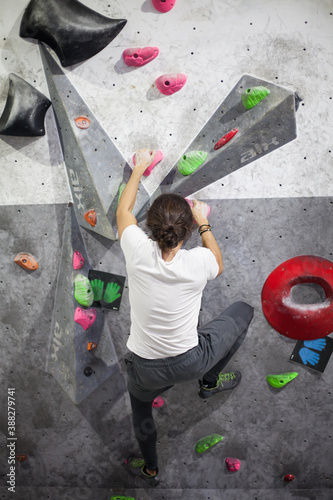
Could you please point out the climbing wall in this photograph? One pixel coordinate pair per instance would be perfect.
(269, 190)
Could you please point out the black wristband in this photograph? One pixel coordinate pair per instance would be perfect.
(205, 230)
(203, 225)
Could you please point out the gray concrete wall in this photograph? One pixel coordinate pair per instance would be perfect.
(272, 432)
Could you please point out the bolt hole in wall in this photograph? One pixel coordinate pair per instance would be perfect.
(307, 293)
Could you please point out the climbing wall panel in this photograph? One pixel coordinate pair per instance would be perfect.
(79, 371)
(265, 127)
(95, 167)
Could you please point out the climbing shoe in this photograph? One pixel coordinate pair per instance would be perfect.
(224, 382)
(137, 466)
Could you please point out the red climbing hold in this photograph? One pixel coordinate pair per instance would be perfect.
(163, 5)
(289, 477)
(140, 57)
(82, 122)
(91, 346)
(294, 320)
(226, 138)
(84, 317)
(91, 217)
(157, 158)
(20, 457)
(78, 260)
(169, 84)
(26, 260)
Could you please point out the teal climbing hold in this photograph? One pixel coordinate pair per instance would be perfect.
(83, 293)
(253, 95)
(190, 161)
(281, 380)
(207, 442)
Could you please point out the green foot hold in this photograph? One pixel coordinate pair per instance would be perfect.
(281, 380)
(207, 442)
(121, 497)
(253, 95)
(83, 294)
(191, 161)
(121, 189)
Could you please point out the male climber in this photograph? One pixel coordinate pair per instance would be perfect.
(165, 289)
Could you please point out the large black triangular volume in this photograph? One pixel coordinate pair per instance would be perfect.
(24, 110)
(75, 32)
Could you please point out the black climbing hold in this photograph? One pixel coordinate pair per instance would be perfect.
(25, 109)
(88, 371)
(75, 32)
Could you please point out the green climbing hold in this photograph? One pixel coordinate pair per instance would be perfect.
(190, 161)
(281, 380)
(207, 442)
(83, 294)
(121, 189)
(121, 497)
(253, 95)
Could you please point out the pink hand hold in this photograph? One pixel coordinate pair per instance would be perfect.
(190, 202)
(169, 84)
(163, 5)
(140, 57)
(158, 157)
(84, 317)
(78, 260)
(158, 402)
(233, 464)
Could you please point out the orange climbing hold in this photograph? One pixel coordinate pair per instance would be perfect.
(82, 122)
(91, 217)
(91, 346)
(20, 457)
(27, 261)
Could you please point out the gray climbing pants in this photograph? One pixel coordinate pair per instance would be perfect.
(147, 378)
(217, 343)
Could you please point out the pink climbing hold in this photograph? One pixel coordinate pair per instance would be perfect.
(140, 56)
(163, 5)
(233, 464)
(190, 202)
(78, 260)
(158, 157)
(158, 402)
(84, 317)
(169, 84)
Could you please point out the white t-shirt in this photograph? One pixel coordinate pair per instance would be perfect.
(165, 297)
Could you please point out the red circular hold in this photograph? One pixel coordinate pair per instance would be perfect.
(299, 321)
